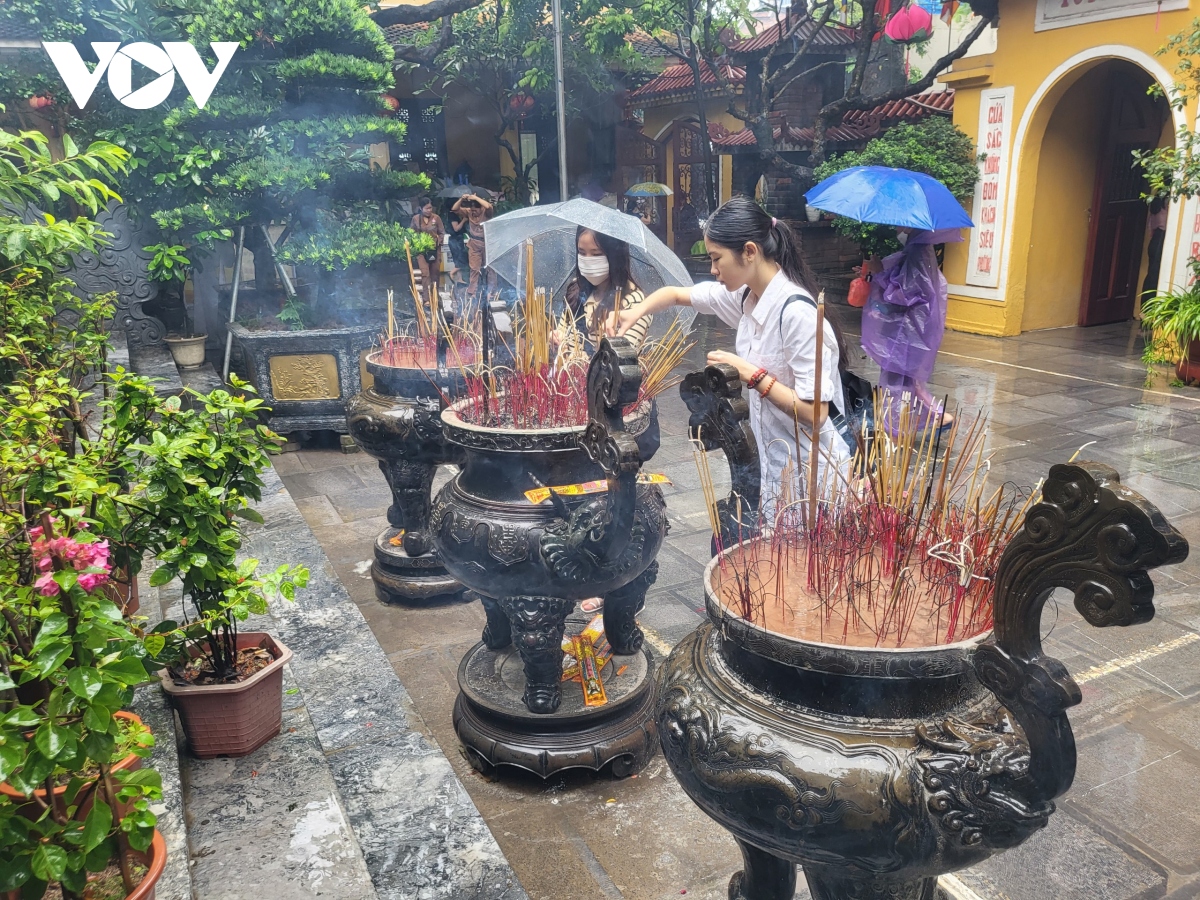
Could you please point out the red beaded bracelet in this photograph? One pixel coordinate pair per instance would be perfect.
(756, 378)
(763, 391)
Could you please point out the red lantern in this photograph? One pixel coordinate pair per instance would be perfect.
(392, 104)
(521, 104)
(909, 25)
(38, 101)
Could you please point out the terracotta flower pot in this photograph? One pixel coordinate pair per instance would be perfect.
(1188, 369)
(233, 719)
(31, 809)
(155, 859)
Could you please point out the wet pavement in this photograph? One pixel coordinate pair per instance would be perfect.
(1127, 829)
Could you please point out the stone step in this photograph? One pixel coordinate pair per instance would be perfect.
(351, 800)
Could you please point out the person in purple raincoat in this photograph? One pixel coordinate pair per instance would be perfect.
(904, 320)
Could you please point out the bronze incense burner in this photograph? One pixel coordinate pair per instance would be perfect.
(878, 770)
(531, 562)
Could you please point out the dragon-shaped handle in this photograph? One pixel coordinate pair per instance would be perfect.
(720, 419)
(1096, 538)
(613, 381)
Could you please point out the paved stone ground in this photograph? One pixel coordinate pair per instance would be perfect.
(1129, 828)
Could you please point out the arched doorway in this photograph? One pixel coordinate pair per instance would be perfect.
(689, 186)
(1087, 256)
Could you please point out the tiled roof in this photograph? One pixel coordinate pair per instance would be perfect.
(404, 34)
(644, 45)
(858, 125)
(828, 36)
(679, 78)
(11, 30)
(907, 108)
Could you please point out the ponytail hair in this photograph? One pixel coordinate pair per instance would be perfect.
(741, 221)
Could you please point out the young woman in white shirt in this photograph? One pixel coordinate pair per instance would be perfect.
(757, 266)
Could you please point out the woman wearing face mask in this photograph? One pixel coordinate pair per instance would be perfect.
(903, 323)
(764, 289)
(602, 266)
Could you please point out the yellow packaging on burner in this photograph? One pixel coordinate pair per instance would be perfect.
(540, 495)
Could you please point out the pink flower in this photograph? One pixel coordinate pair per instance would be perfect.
(46, 585)
(92, 580)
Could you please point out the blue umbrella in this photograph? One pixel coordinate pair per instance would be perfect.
(886, 196)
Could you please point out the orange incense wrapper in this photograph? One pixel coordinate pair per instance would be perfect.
(589, 674)
(540, 495)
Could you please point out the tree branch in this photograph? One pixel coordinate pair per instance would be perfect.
(830, 64)
(406, 14)
(847, 103)
(802, 51)
(424, 56)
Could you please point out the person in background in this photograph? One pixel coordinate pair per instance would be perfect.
(904, 321)
(1157, 224)
(477, 210)
(428, 222)
(764, 289)
(602, 265)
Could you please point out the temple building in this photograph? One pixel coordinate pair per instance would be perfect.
(1063, 235)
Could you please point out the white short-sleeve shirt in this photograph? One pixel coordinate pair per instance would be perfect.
(782, 341)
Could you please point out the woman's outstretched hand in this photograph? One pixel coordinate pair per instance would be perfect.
(620, 322)
(745, 370)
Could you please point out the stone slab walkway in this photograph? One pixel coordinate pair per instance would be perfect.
(1129, 829)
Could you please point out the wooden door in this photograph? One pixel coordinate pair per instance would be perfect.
(1118, 214)
(689, 187)
(641, 158)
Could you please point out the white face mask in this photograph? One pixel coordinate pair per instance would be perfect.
(593, 268)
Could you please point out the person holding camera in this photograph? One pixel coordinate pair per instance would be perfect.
(477, 210)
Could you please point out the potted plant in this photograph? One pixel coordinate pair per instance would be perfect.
(170, 267)
(71, 812)
(1172, 323)
(201, 469)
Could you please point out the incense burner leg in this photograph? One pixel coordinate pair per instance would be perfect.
(411, 483)
(497, 633)
(620, 612)
(763, 876)
(824, 885)
(538, 624)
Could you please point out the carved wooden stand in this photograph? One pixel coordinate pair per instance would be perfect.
(532, 562)
(398, 421)
(878, 770)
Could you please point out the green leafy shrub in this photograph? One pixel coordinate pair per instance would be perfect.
(935, 147)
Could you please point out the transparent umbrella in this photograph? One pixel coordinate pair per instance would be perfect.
(552, 229)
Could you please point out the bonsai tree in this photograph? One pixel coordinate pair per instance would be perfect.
(935, 146)
(280, 148)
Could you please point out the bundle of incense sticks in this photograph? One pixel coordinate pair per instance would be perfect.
(542, 391)
(401, 348)
(900, 550)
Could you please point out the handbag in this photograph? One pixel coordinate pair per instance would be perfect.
(860, 290)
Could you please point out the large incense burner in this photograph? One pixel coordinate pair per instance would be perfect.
(532, 561)
(879, 768)
(398, 421)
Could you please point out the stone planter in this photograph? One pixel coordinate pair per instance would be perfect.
(306, 378)
(397, 420)
(878, 770)
(531, 563)
(232, 719)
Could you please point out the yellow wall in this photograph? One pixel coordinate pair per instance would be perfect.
(1032, 273)
(657, 125)
(1066, 180)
